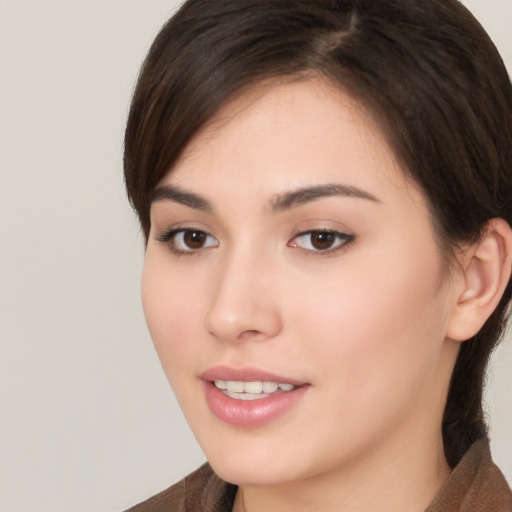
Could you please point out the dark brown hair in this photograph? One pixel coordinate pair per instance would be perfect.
(425, 70)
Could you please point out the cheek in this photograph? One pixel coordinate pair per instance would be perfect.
(172, 310)
(376, 331)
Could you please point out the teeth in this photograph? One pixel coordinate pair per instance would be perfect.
(235, 386)
(251, 388)
(246, 396)
(270, 387)
(221, 384)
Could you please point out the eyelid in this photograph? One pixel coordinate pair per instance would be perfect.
(169, 236)
(343, 239)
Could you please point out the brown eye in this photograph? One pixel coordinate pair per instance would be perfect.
(320, 240)
(185, 240)
(194, 239)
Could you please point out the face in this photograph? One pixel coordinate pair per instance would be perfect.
(294, 290)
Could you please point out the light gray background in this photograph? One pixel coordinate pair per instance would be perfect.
(87, 419)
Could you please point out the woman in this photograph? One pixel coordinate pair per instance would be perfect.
(325, 188)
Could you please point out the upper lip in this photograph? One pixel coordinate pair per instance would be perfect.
(246, 374)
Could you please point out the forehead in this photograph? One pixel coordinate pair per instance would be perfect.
(289, 119)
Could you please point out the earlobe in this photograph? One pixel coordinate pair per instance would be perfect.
(486, 270)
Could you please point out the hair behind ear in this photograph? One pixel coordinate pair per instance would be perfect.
(480, 314)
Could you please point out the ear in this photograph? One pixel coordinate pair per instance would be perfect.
(485, 270)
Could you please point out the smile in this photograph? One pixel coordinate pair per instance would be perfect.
(250, 397)
(256, 390)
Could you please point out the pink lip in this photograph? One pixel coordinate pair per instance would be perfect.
(247, 374)
(249, 413)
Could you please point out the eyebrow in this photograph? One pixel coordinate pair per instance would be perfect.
(304, 195)
(180, 196)
(278, 203)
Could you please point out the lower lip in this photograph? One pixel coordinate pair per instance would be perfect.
(250, 413)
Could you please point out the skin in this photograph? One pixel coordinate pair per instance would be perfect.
(365, 323)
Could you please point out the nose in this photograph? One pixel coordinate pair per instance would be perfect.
(244, 305)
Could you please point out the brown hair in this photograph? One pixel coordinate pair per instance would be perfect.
(426, 71)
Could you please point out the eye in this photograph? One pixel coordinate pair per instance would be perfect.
(320, 240)
(188, 240)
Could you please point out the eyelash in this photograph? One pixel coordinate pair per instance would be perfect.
(341, 240)
(169, 237)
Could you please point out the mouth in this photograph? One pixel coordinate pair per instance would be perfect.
(250, 397)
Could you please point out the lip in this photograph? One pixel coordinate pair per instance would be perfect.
(247, 374)
(249, 413)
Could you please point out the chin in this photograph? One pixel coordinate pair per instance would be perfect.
(249, 458)
(252, 459)
(247, 473)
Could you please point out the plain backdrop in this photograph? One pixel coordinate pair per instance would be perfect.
(88, 422)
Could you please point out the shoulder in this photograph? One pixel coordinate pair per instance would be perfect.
(475, 485)
(202, 491)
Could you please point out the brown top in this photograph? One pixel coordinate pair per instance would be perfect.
(475, 485)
